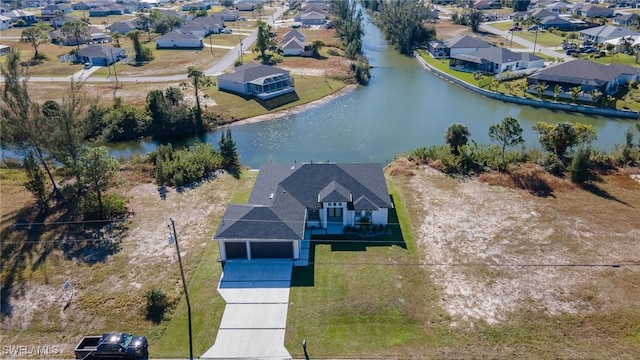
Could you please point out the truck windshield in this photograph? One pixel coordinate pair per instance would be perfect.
(126, 340)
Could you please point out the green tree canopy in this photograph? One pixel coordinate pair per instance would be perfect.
(559, 138)
(77, 31)
(35, 36)
(457, 136)
(507, 133)
(97, 170)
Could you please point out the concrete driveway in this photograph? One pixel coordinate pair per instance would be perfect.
(255, 317)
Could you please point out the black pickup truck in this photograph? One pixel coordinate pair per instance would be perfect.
(112, 346)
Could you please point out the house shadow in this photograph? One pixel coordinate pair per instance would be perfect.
(391, 236)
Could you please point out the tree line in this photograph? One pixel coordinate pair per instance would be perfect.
(60, 141)
(566, 147)
(403, 22)
(348, 22)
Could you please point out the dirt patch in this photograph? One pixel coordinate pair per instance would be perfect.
(497, 251)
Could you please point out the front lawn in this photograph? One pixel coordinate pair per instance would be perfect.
(364, 298)
(545, 38)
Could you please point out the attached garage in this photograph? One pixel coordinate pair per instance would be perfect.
(236, 250)
(271, 250)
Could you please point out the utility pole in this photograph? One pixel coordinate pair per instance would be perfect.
(172, 225)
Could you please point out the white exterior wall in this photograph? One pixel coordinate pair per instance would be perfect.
(182, 43)
(237, 88)
(380, 217)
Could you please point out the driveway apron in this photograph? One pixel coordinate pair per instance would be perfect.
(255, 317)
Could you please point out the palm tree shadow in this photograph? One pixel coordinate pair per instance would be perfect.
(595, 190)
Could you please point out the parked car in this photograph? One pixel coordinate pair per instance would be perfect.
(226, 31)
(88, 65)
(568, 46)
(113, 346)
(572, 52)
(533, 28)
(516, 28)
(589, 50)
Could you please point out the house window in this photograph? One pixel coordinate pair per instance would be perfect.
(334, 212)
(517, 65)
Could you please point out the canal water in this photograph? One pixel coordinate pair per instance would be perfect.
(403, 107)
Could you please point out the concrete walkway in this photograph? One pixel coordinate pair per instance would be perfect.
(255, 317)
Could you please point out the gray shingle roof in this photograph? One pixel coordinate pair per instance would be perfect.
(252, 71)
(496, 55)
(583, 72)
(99, 51)
(609, 32)
(466, 41)
(277, 206)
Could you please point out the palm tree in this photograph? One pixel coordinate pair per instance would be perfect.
(457, 135)
(575, 92)
(534, 21)
(541, 87)
(199, 81)
(557, 89)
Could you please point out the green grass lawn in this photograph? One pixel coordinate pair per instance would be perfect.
(545, 38)
(443, 65)
(503, 25)
(362, 298)
(308, 88)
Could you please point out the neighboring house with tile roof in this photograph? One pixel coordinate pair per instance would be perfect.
(457, 45)
(588, 75)
(256, 80)
(288, 202)
(603, 33)
(495, 60)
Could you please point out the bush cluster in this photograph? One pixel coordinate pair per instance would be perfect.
(184, 166)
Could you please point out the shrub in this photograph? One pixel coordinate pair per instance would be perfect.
(553, 164)
(114, 206)
(157, 304)
(579, 169)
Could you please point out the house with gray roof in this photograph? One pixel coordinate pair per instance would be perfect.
(124, 27)
(290, 201)
(603, 33)
(455, 46)
(178, 39)
(588, 75)
(212, 24)
(227, 15)
(592, 11)
(626, 19)
(100, 55)
(495, 60)
(257, 80)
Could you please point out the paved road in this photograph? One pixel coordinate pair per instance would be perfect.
(528, 44)
(225, 62)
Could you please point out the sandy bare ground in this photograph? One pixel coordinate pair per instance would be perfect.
(495, 251)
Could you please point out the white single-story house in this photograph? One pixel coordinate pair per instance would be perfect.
(227, 15)
(246, 5)
(176, 39)
(212, 25)
(603, 33)
(456, 46)
(290, 201)
(495, 60)
(55, 9)
(99, 55)
(295, 47)
(124, 27)
(5, 22)
(256, 80)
